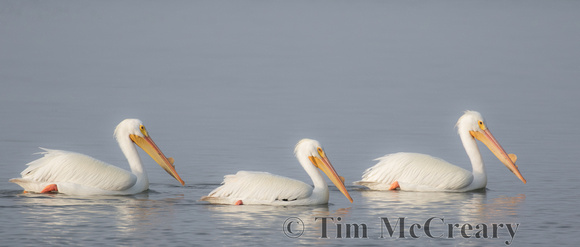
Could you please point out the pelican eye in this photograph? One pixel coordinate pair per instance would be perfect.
(481, 125)
(320, 151)
(143, 130)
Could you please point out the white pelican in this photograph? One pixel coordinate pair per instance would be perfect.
(420, 172)
(78, 174)
(265, 188)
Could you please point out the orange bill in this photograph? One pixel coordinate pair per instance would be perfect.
(147, 144)
(324, 165)
(508, 160)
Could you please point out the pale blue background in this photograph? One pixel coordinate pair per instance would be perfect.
(224, 86)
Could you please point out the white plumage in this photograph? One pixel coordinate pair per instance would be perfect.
(74, 168)
(420, 172)
(259, 188)
(265, 188)
(79, 174)
(434, 173)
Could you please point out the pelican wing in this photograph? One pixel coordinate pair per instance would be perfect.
(260, 187)
(417, 171)
(69, 167)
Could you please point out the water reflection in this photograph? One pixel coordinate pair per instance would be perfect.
(239, 216)
(503, 206)
(256, 220)
(62, 218)
(468, 207)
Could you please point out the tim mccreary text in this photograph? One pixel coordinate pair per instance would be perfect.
(433, 227)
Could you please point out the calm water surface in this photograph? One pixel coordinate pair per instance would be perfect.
(224, 86)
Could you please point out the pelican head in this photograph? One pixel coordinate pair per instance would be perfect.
(315, 153)
(135, 130)
(473, 122)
